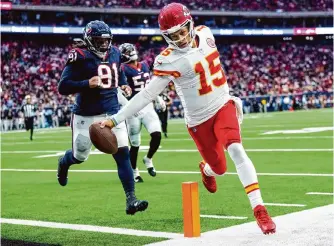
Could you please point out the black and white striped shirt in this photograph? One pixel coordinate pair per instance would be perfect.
(28, 110)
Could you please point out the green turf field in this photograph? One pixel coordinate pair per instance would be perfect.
(96, 198)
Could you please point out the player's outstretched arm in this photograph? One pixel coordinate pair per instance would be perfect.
(139, 101)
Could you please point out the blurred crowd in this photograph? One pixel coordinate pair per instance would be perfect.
(71, 19)
(257, 73)
(231, 5)
(24, 17)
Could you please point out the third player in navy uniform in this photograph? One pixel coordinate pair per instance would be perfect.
(138, 75)
(93, 73)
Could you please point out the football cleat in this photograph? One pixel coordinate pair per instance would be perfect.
(139, 179)
(149, 165)
(263, 220)
(62, 173)
(208, 181)
(133, 206)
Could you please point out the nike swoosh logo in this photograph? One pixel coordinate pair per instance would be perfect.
(136, 203)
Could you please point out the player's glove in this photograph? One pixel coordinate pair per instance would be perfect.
(127, 90)
(160, 103)
(108, 122)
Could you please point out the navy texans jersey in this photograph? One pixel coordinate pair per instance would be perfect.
(137, 77)
(83, 65)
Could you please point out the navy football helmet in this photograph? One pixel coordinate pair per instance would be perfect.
(128, 53)
(98, 37)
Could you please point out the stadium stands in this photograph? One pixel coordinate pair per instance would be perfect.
(243, 5)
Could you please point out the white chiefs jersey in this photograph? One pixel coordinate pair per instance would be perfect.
(198, 77)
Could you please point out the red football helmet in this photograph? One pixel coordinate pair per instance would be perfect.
(172, 18)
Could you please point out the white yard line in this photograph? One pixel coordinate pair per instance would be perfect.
(177, 150)
(41, 130)
(308, 227)
(30, 151)
(91, 228)
(284, 205)
(320, 193)
(165, 172)
(35, 142)
(223, 217)
(255, 150)
(252, 138)
(7, 142)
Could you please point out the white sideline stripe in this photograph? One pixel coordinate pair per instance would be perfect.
(41, 130)
(320, 193)
(179, 150)
(10, 140)
(284, 205)
(92, 228)
(165, 172)
(223, 217)
(178, 139)
(307, 227)
(255, 138)
(255, 150)
(30, 151)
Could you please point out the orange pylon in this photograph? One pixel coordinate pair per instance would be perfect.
(191, 216)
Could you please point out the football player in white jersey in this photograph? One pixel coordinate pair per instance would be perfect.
(212, 116)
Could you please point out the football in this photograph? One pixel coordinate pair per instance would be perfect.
(103, 138)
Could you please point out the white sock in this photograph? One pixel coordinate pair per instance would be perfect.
(208, 171)
(246, 172)
(148, 162)
(136, 172)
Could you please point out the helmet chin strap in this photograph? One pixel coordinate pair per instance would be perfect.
(98, 53)
(173, 43)
(92, 48)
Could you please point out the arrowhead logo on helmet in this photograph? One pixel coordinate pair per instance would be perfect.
(186, 11)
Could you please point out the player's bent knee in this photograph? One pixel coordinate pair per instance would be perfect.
(82, 147)
(237, 153)
(231, 137)
(220, 168)
(135, 141)
(81, 156)
(156, 136)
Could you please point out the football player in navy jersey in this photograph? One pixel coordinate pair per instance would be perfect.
(138, 75)
(93, 73)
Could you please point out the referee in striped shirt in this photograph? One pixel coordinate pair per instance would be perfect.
(29, 113)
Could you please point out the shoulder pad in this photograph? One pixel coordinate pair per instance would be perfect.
(162, 67)
(145, 64)
(75, 55)
(115, 49)
(199, 28)
(159, 61)
(204, 31)
(166, 52)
